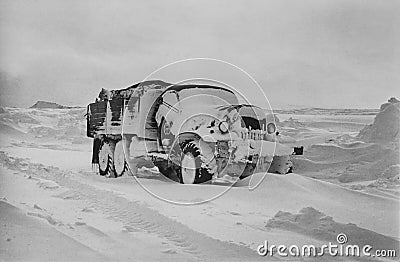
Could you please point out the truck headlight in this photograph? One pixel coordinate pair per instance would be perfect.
(223, 127)
(271, 128)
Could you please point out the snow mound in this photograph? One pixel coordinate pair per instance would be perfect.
(386, 124)
(313, 223)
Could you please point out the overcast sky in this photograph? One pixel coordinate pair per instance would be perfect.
(307, 53)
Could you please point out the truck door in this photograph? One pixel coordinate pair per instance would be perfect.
(147, 122)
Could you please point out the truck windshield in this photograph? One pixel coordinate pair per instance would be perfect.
(214, 96)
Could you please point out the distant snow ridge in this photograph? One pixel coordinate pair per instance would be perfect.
(45, 104)
(386, 124)
(293, 123)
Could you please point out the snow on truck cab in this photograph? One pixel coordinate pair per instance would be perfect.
(192, 133)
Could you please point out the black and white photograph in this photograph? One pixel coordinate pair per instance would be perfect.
(199, 130)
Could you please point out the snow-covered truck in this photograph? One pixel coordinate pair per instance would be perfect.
(193, 133)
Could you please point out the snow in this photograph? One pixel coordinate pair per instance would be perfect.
(342, 183)
(28, 238)
(386, 124)
(312, 222)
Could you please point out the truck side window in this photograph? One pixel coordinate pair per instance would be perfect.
(170, 100)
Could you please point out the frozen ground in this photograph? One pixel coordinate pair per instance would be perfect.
(54, 207)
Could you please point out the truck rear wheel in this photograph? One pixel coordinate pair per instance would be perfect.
(120, 164)
(106, 158)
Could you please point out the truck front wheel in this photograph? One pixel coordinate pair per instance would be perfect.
(192, 171)
(188, 168)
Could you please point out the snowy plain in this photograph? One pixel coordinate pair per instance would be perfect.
(344, 183)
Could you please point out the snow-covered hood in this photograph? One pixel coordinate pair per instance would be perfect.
(210, 117)
(201, 118)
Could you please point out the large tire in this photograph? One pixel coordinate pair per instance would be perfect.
(191, 170)
(106, 158)
(120, 164)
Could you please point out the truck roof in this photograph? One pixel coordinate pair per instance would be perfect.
(145, 83)
(177, 87)
(181, 87)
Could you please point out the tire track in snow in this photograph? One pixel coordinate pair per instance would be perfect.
(134, 215)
